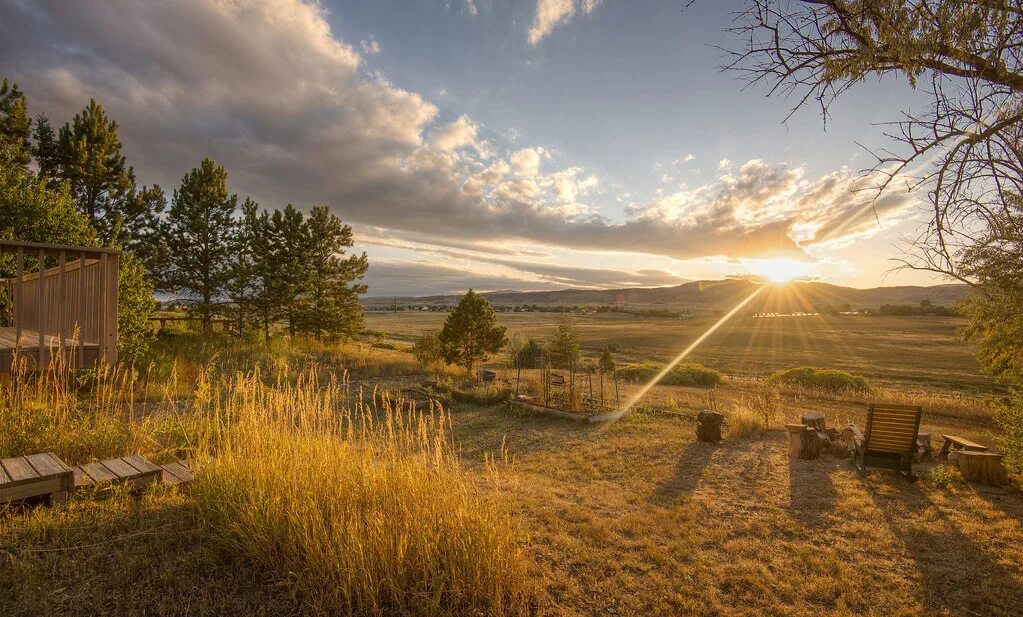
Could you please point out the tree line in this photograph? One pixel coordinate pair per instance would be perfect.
(262, 268)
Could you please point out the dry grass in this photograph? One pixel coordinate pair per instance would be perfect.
(358, 509)
(316, 502)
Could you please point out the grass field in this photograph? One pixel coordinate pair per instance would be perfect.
(631, 518)
(919, 351)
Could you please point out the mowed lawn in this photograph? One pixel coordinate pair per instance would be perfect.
(912, 351)
(638, 518)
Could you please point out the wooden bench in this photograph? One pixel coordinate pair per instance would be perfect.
(131, 470)
(35, 475)
(954, 442)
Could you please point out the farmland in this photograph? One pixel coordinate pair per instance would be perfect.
(915, 352)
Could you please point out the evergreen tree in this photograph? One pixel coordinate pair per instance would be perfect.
(14, 122)
(262, 295)
(141, 230)
(44, 150)
(530, 356)
(289, 273)
(563, 346)
(243, 283)
(89, 158)
(471, 332)
(330, 305)
(199, 236)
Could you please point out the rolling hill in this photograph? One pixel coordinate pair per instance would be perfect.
(710, 295)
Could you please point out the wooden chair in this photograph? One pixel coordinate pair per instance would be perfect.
(890, 440)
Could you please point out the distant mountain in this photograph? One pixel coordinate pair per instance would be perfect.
(710, 295)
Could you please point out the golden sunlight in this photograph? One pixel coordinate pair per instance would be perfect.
(782, 270)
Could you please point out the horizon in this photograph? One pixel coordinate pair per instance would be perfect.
(529, 146)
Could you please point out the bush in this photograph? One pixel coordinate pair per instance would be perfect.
(686, 374)
(428, 349)
(821, 379)
(488, 394)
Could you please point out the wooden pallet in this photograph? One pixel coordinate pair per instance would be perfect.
(131, 470)
(178, 472)
(35, 475)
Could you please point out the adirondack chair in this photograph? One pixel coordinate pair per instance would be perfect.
(890, 440)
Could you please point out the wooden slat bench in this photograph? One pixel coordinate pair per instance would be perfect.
(891, 438)
(35, 475)
(133, 470)
(954, 442)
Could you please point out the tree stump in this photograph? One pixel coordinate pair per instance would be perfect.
(982, 467)
(923, 447)
(708, 427)
(814, 420)
(804, 442)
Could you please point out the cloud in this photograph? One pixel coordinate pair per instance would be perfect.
(552, 13)
(267, 90)
(460, 133)
(370, 46)
(408, 277)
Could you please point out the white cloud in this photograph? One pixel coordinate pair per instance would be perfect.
(370, 46)
(724, 164)
(459, 134)
(526, 162)
(551, 13)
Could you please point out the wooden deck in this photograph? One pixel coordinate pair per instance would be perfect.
(132, 470)
(29, 348)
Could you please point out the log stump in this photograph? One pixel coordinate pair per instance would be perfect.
(804, 442)
(924, 451)
(708, 427)
(814, 420)
(982, 467)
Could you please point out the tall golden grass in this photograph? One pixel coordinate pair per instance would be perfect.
(357, 507)
(361, 508)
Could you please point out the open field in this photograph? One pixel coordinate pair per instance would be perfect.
(630, 518)
(911, 351)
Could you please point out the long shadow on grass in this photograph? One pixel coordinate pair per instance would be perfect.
(957, 575)
(812, 492)
(693, 459)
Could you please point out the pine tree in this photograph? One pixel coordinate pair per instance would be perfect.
(14, 122)
(330, 303)
(242, 285)
(88, 156)
(141, 230)
(471, 332)
(199, 235)
(563, 346)
(290, 275)
(44, 150)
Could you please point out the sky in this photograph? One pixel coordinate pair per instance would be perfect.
(492, 144)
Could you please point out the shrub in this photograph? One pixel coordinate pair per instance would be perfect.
(830, 380)
(686, 374)
(428, 349)
(488, 394)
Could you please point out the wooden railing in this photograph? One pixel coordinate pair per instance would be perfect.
(71, 305)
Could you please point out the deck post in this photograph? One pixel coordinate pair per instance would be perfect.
(102, 308)
(20, 290)
(42, 312)
(61, 300)
(80, 325)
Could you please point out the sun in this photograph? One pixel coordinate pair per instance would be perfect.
(781, 270)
